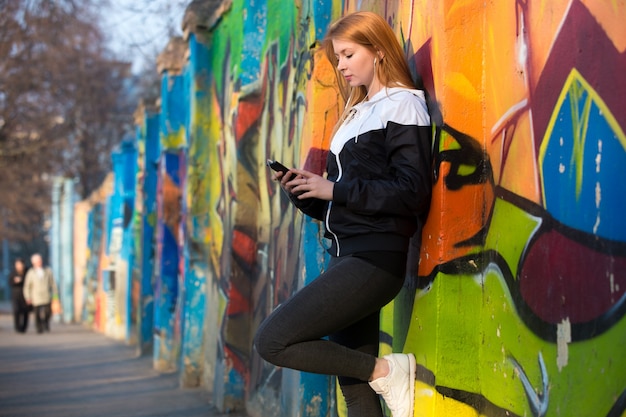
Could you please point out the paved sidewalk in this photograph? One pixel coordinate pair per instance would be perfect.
(75, 372)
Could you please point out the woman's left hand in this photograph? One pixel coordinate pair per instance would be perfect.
(309, 185)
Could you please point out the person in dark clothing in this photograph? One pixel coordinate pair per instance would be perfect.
(20, 308)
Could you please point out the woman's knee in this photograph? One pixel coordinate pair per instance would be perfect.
(266, 344)
(260, 343)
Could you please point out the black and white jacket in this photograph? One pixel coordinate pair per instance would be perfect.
(380, 161)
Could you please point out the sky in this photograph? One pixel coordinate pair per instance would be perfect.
(138, 30)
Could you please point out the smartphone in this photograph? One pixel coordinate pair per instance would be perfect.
(277, 166)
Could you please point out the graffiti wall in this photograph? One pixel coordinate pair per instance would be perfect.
(524, 242)
(89, 241)
(514, 300)
(170, 182)
(147, 140)
(244, 237)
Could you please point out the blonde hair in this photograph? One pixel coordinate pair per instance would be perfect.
(374, 33)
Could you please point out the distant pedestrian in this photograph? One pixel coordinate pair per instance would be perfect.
(16, 284)
(39, 291)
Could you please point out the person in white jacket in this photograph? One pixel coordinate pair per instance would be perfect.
(39, 291)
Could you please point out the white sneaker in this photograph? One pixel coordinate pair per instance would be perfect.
(397, 388)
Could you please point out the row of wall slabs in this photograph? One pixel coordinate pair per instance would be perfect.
(514, 299)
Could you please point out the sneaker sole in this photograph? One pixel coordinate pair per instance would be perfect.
(412, 367)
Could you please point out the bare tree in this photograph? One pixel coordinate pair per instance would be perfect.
(64, 103)
(143, 28)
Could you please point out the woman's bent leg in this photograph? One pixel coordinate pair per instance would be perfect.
(348, 292)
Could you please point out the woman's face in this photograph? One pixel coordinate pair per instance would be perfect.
(19, 266)
(356, 63)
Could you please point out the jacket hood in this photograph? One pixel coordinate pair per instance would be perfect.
(361, 108)
(360, 111)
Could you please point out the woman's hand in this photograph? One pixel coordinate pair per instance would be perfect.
(306, 184)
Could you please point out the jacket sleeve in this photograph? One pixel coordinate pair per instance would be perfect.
(312, 207)
(406, 189)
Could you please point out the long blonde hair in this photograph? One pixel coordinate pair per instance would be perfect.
(374, 33)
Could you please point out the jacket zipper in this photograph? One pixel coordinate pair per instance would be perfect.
(330, 206)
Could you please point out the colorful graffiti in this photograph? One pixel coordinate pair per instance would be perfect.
(531, 269)
(257, 108)
(147, 121)
(516, 290)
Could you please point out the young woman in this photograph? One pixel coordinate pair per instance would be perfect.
(377, 187)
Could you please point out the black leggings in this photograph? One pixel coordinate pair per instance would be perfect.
(343, 303)
(20, 315)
